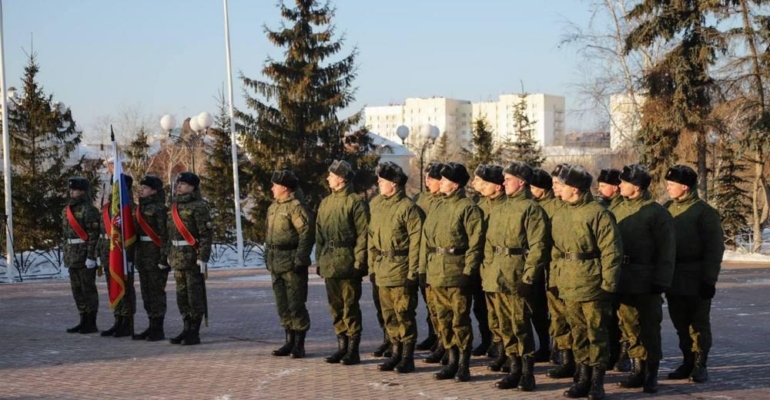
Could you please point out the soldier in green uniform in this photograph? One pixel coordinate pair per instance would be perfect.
(152, 233)
(699, 251)
(187, 252)
(517, 249)
(479, 301)
(648, 265)
(427, 201)
(609, 188)
(288, 242)
(394, 250)
(341, 230)
(452, 243)
(80, 224)
(587, 250)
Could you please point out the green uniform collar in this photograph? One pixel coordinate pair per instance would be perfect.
(289, 198)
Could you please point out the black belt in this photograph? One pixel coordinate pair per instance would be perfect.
(281, 246)
(447, 251)
(571, 256)
(509, 251)
(340, 244)
(390, 253)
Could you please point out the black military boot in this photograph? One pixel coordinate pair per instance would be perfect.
(395, 358)
(156, 333)
(527, 381)
(352, 357)
(498, 362)
(450, 370)
(554, 357)
(342, 349)
(567, 367)
(514, 376)
(699, 372)
(193, 336)
(383, 347)
(483, 347)
(407, 359)
(597, 382)
(636, 378)
(114, 327)
(126, 327)
(89, 323)
(651, 377)
(436, 356)
(583, 385)
(145, 333)
(298, 351)
(76, 328)
(685, 369)
(463, 366)
(285, 350)
(429, 341)
(623, 364)
(180, 337)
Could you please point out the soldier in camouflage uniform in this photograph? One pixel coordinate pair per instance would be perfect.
(587, 250)
(189, 255)
(124, 310)
(479, 300)
(648, 265)
(609, 188)
(516, 248)
(80, 224)
(452, 246)
(341, 230)
(288, 242)
(153, 271)
(699, 251)
(427, 200)
(394, 251)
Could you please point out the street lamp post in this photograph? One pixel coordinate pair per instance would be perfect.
(199, 124)
(429, 135)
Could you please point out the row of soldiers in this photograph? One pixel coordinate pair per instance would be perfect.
(174, 238)
(530, 239)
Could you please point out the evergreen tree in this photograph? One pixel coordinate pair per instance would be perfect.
(730, 198)
(137, 154)
(296, 125)
(525, 148)
(482, 143)
(43, 136)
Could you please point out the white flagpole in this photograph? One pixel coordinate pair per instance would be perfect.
(6, 160)
(116, 177)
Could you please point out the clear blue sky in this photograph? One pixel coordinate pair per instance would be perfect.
(168, 56)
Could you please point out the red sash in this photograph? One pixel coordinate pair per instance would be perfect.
(82, 234)
(148, 229)
(183, 229)
(107, 219)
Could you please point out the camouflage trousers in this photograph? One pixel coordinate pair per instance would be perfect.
(559, 328)
(152, 282)
(83, 284)
(493, 318)
(588, 321)
(640, 318)
(190, 293)
(344, 296)
(452, 306)
(515, 324)
(290, 290)
(691, 317)
(399, 305)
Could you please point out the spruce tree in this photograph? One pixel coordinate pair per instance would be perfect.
(525, 148)
(482, 143)
(137, 153)
(730, 198)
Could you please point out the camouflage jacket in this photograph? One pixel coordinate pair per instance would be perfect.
(396, 225)
(75, 254)
(154, 212)
(196, 216)
(612, 203)
(289, 237)
(426, 201)
(341, 230)
(487, 271)
(550, 203)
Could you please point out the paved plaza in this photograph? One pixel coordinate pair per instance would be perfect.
(38, 360)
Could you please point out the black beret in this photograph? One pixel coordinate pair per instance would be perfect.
(541, 179)
(152, 181)
(79, 183)
(609, 176)
(456, 173)
(490, 173)
(577, 177)
(636, 174)
(682, 174)
(189, 178)
(342, 169)
(285, 178)
(433, 170)
(390, 171)
(520, 170)
(558, 168)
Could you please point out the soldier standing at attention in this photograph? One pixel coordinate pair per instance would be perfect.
(609, 188)
(452, 243)
(187, 251)
(699, 251)
(648, 265)
(153, 271)
(341, 230)
(588, 251)
(394, 250)
(81, 229)
(288, 242)
(480, 310)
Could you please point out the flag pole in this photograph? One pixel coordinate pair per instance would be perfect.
(6, 160)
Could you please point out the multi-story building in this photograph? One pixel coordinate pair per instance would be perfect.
(625, 119)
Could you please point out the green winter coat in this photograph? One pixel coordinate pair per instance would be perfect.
(489, 272)
(648, 244)
(613, 203)
(396, 225)
(516, 223)
(289, 237)
(196, 216)
(455, 223)
(87, 215)
(341, 230)
(427, 201)
(699, 244)
(585, 227)
(550, 203)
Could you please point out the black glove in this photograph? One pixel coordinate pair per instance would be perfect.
(554, 291)
(411, 283)
(465, 281)
(299, 268)
(361, 272)
(657, 289)
(373, 279)
(707, 291)
(523, 289)
(607, 295)
(423, 279)
(318, 270)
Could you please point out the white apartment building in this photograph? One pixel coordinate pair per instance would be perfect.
(625, 119)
